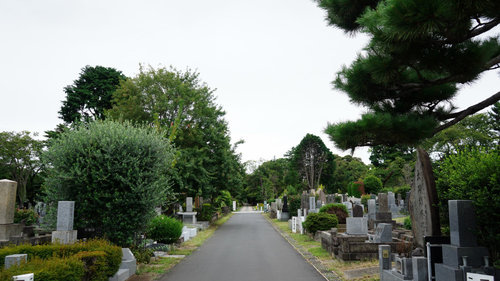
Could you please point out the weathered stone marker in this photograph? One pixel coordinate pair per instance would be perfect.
(189, 204)
(65, 215)
(357, 211)
(16, 259)
(8, 190)
(423, 202)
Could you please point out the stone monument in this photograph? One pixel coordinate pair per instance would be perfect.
(64, 233)
(188, 216)
(423, 202)
(8, 228)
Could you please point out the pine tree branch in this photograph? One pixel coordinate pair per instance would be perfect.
(458, 116)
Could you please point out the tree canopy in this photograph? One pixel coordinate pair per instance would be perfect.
(178, 103)
(419, 54)
(91, 94)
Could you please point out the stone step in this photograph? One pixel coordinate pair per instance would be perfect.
(120, 275)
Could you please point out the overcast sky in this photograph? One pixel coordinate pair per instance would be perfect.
(271, 61)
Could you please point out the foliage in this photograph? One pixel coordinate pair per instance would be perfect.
(294, 204)
(164, 229)
(91, 94)
(313, 161)
(206, 213)
(91, 260)
(20, 162)
(337, 199)
(26, 216)
(372, 184)
(381, 155)
(116, 173)
(184, 107)
(402, 190)
(142, 255)
(407, 223)
(224, 199)
(348, 169)
(320, 221)
(355, 189)
(473, 174)
(338, 209)
(418, 56)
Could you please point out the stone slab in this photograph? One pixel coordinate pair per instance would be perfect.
(357, 211)
(419, 269)
(64, 237)
(357, 225)
(452, 255)
(447, 273)
(65, 215)
(189, 204)
(462, 223)
(10, 230)
(8, 190)
(120, 275)
(16, 259)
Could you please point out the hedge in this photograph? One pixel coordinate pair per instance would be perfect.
(96, 259)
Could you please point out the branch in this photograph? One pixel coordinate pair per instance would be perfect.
(458, 116)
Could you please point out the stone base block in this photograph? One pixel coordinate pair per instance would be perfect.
(383, 216)
(64, 237)
(120, 275)
(452, 255)
(285, 216)
(392, 275)
(448, 273)
(10, 230)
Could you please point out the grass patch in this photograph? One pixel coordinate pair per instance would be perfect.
(320, 253)
(157, 266)
(401, 219)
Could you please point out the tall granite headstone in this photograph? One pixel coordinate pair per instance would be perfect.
(64, 233)
(322, 197)
(189, 204)
(312, 204)
(423, 202)
(357, 211)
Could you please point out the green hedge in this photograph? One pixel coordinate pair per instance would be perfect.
(337, 209)
(164, 229)
(320, 221)
(206, 213)
(96, 259)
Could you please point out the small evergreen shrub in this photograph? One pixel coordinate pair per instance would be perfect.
(372, 184)
(206, 213)
(407, 223)
(337, 199)
(142, 255)
(26, 216)
(337, 209)
(164, 229)
(320, 221)
(53, 269)
(293, 204)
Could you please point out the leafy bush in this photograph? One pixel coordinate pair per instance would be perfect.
(26, 216)
(206, 213)
(407, 223)
(337, 199)
(293, 204)
(91, 260)
(164, 229)
(339, 210)
(372, 184)
(355, 189)
(320, 221)
(117, 174)
(142, 255)
(473, 174)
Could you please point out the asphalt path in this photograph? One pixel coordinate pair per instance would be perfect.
(245, 248)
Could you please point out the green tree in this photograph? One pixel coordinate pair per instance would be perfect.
(115, 172)
(348, 169)
(184, 107)
(314, 162)
(91, 94)
(372, 184)
(494, 115)
(382, 155)
(419, 54)
(20, 161)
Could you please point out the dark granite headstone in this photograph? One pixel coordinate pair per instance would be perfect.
(357, 211)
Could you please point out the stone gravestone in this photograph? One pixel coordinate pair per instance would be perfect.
(189, 204)
(348, 205)
(423, 202)
(279, 204)
(16, 259)
(8, 190)
(357, 211)
(383, 233)
(64, 233)
(357, 226)
(462, 254)
(312, 204)
(284, 214)
(304, 201)
(294, 224)
(322, 197)
(234, 205)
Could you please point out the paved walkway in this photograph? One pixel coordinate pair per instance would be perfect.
(245, 248)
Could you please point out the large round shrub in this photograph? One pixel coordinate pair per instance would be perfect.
(339, 210)
(320, 221)
(115, 172)
(164, 229)
(372, 184)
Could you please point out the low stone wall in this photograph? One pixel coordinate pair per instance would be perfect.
(36, 240)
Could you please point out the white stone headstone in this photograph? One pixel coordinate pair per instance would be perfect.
(294, 224)
(358, 226)
(234, 205)
(24, 277)
(189, 204)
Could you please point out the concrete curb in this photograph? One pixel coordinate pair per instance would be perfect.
(327, 274)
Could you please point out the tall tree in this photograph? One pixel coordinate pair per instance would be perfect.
(314, 162)
(419, 54)
(91, 94)
(347, 170)
(184, 107)
(20, 161)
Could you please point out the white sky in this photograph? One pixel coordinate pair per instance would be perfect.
(271, 61)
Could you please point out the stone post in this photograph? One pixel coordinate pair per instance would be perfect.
(65, 216)
(384, 258)
(8, 190)
(189, 204)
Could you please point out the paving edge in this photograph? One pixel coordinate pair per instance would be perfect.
(312, 260)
